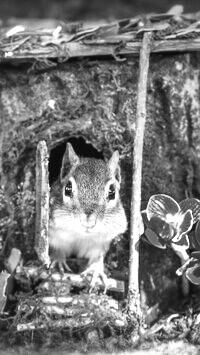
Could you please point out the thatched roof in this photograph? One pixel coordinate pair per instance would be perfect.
(56, 40)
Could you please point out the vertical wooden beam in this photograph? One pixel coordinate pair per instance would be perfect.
(134, 309)
(42, 203)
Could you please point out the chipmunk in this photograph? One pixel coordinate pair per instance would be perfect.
(86, 212)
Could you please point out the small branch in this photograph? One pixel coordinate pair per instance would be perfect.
(136, 220)
(42, 203)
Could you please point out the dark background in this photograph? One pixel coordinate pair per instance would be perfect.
(73, 10)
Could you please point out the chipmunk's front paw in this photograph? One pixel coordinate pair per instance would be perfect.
(98, 274)
(61, 265)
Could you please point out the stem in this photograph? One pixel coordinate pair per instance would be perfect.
(42, 203)
(184, 257)
(134, 308)
(181, 270)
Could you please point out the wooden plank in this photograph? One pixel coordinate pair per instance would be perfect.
(78, 49)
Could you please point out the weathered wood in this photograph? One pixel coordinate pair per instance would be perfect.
(42, 203)
(100, 48)
(136, 220)
(51, 39)
(61, 323)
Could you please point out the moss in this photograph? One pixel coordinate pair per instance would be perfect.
(96, 100)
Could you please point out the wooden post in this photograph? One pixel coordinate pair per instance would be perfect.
(42, 203)
(134, 309)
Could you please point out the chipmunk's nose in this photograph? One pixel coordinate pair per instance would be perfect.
(88, 220)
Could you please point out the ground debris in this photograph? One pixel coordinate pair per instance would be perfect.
(49, 302)
(36, 311)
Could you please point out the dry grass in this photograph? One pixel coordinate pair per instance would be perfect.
(50, 40)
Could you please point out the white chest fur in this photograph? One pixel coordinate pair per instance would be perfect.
(75, 240)
(70, 233)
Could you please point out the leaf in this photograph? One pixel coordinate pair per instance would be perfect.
(192, 204)
(193, 273)
(154, 239)
(160, 206)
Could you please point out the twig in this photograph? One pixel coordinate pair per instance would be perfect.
(61, 323)
(136, 220)
(42, 203)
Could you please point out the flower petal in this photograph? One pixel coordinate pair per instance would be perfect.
(186, 223)
(193, 242)
(167, 232)
(156, 224)
(183, 243)
(144, 218)
(197, 235)
(161, 205)
(191, 204)
(196, 255)
(154, 239)
(161, 228)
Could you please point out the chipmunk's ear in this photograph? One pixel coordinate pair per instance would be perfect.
(70, 158)
(114, 167)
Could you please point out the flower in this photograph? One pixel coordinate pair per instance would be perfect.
(167, 223)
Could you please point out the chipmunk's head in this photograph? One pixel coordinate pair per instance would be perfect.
(90, 192)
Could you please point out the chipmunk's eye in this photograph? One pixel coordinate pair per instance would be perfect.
(111, 192)
(68, 189)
